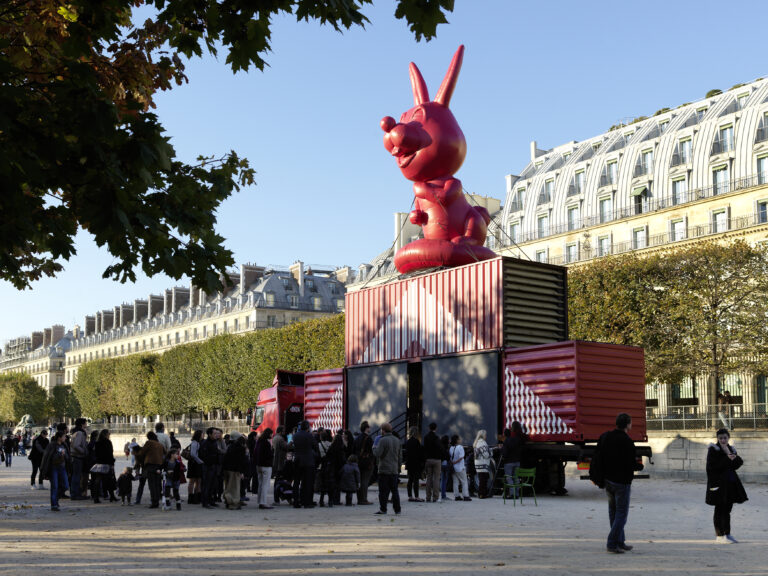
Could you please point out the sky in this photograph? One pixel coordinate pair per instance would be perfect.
(326, 189)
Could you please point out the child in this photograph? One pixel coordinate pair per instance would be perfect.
(125, 486)
(350, 478)
(174, 477)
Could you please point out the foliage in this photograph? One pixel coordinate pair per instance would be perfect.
(713, 92)
(698, 310)
(20, 394)
(226, 372)
(63, 403)
(81, 149)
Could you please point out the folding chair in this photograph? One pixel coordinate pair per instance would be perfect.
(523, 478)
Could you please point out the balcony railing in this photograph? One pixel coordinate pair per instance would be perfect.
(544, 198)
(679, 159)
(606, 180)
(515, 206)
(721, 146)
(642, 168)
(762, 134)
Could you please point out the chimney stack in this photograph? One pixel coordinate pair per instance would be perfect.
(90, 325)
(297, 271)
(126, 314)
(57, 333)
(46, 337)
(36, 340)
(140, 310)
(155, 305)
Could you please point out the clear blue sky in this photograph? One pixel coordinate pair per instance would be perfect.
(326, 188)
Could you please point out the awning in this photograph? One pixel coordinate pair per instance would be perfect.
(638, 190)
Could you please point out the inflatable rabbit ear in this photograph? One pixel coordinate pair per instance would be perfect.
(451, 77)
(420, 92)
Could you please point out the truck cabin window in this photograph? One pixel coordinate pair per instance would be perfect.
(258, 416)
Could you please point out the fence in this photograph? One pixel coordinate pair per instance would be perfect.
(708, 417)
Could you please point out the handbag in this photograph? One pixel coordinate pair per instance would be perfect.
(187, 452)
(100, 469)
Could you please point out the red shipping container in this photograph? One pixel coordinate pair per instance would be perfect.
(572, 391)
(324, 399)
(482, 306)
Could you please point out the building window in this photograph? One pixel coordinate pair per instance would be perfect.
(679, 191)
(293, 301)
(762, 170)
(603, 245)
(317, 303)
(700, 113)
(663, 126)
(762, 211)
(194, 333)
(269, 298)
(677, 229)
(205, 331)
(644, 163)
(339, 304)
(311, 285)
(152, 342)
(247, 322)
(546, 193)
(214, 329)
(225, 327)
(542, 226)
(685, 151)
(720, 180)
(742, 100)
(514, 232)
(573, 217)
(579, 181)
(639, 199)
(719, 221)
(541, 255)
(519, 200)
(271, 321)
(606, 209)
(572, 253)
(723, 141)
(236, 324)
(638, 238)
(129, 347)
(177, 338)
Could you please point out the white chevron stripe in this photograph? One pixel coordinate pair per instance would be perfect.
(417, 301)
(523, 405)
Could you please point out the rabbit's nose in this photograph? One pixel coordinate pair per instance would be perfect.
(387, 123)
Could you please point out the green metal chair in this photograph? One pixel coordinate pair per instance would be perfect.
(523, 478)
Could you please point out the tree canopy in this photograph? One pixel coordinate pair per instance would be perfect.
(81, 149)
(699, 310)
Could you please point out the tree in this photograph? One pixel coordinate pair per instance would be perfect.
(63, 403)
(79, 147)
(721, 290)
(94, 388)
(21, 394)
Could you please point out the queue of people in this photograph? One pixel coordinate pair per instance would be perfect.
(223, 469)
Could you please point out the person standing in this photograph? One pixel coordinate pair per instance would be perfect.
(211, 456)
(305, 452)
(433, 453)
(482, 463)
(724, 489)
(79, 452)
(280, 450)
(234, 466)
(36, 456)
(512, 452)
(103, 471)
(364, 451)
(9, 443)
(195, 469)
(264, 456)
(456, 463)
(414, 463)
(153, 459)
(54, 467)
(388, 453)
(163, 438)
(619, 463)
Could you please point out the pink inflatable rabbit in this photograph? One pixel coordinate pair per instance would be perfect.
(430, 148)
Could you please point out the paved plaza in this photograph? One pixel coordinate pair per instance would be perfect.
(669, 525)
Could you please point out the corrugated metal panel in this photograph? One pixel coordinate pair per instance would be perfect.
(535, 303)
(572, 391)
(482, 306)
(324, 399)
(455, 310)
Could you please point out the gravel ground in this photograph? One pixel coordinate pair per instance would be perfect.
(669, 525)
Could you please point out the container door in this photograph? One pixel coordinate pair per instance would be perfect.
(461, 394)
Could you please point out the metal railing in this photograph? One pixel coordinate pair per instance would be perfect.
(544, 198)
(762, 134)
(642, 168)
(720, 146)
(650, 205)
(707, 417)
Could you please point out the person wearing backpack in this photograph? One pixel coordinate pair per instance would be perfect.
(617, 453)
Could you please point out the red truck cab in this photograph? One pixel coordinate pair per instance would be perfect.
(282, 404)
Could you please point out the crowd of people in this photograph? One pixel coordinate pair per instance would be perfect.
(294, 467)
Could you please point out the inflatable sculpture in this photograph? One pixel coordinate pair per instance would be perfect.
(430, 148)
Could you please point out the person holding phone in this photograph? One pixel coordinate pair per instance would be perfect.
(724, 489)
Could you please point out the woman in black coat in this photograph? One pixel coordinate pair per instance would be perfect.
(414, 463)
(724, 489)
(103, 476)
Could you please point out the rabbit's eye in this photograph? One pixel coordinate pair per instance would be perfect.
(417, 114)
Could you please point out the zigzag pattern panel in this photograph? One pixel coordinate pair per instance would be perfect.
(331, 417)
(523, 405)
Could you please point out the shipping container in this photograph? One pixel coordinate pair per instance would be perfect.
(489, 305)
(324, 399)
(572, 391)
